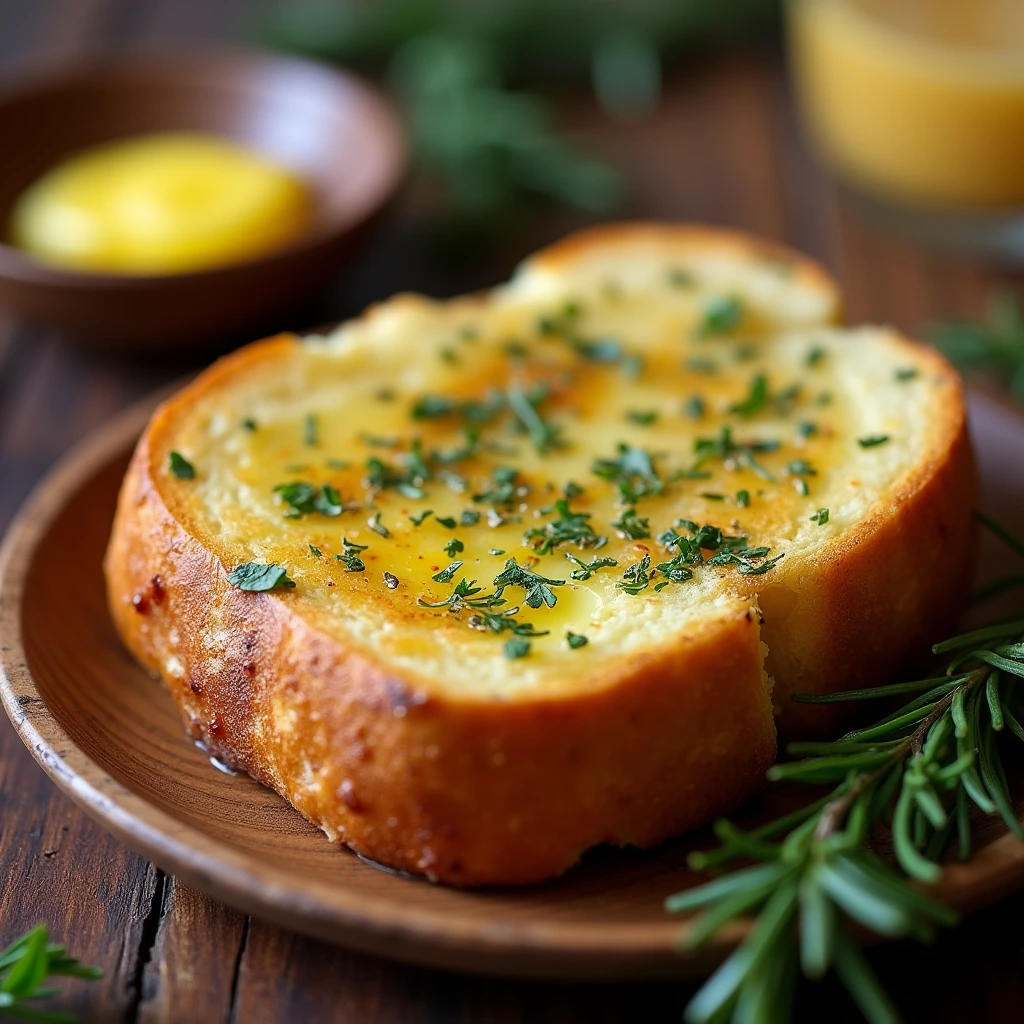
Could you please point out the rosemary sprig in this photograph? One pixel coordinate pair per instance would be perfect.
(808, 878)
(25, 967)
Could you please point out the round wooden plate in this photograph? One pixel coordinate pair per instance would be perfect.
(110, 737)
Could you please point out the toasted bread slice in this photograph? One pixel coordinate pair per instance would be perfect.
(531, 548)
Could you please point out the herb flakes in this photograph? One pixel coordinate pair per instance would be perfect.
(538, 588)
(721, 314)
(516, 647)
(258, 577)
(873, 441)
(180, 466)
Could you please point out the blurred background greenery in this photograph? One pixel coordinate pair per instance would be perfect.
(474, 81)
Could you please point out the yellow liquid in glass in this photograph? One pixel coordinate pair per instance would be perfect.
(918, 101)
(160, 204)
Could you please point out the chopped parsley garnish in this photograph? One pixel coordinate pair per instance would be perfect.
(317, 553)
(259, 577)
(350, 555)
(587, 569)
(642, 417)
(679, 278)
(907, 373)
(249, 424)
(418, 520)
(453, 547)
(503, 487)
(446, 521)
(873, 440)
(390, 581)
(814, 356)
(407, 478)
(723, 447)
(461, 596)
(636, 577)
(726, 550)
(760, 398)
(631, 526)
(712, 496)
(676, 570)
(449, 355)
(516, 647)
(469, 517)
(304, 498)
(446, 575)
(433, 406)
(800, 467)
(743, 499)
(694, 407)
(569, 528)
(744, 353)
(503, 622)
(820, 517)
(802, 487)
(575, 640)
(538, 588)
(806, 429)
(543, 435)
(496, 551)
(722, 314)
(311, 430)
(756, 399)
(562, 321)
(571, 490)
(180, 466)
(741, 559)
(632, 472)
(377, 526)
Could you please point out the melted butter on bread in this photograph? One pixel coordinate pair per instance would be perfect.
(362, 383)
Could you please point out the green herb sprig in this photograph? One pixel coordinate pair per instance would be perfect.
(26, 966)
(817, 873)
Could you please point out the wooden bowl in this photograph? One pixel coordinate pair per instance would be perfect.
(331, 128)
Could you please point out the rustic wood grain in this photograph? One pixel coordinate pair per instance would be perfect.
(182, 981)
(115, 910)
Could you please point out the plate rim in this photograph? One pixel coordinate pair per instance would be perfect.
(337, 914)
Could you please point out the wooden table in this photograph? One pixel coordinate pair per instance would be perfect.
(723, 147)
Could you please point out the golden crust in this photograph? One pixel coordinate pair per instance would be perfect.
(485, 791)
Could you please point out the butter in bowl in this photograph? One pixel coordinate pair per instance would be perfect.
(153, 201)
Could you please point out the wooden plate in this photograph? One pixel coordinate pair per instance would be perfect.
(110, 737)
